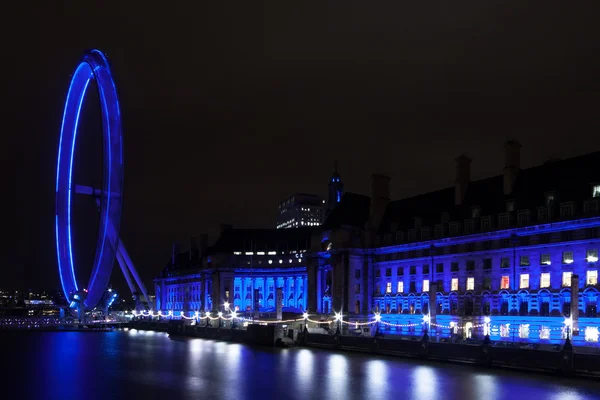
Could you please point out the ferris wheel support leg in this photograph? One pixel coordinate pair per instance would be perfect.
(132, 269)
(123, 266)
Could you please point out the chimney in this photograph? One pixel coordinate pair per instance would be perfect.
(380, 197)
(512, 163)
(174, 253)
(193, 248)
(463, 176)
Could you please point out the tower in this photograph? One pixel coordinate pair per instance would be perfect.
(336, 189)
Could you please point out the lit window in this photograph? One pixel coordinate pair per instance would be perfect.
(524, 331)
(470, 283)
(566, 281)
(545, 332)
(504, 282)
(545, 280)
(592, 255)
(505, 330)
(591, 334)
(426, 285)
(591, 277)
(596, 191)
(567, 257)
(524, 261)
(388, 287)
(524, 282)
(545, 259)
(400, 287)
(454, 285)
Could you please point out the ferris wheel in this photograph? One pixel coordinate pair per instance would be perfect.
(93, 66)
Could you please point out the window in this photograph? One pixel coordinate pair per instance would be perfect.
(439, 268)
(454, 285)
(543, 214)
(454, 228)
(545, 259)
(590, 207)
(413, 287)
(487, 283)
(470, 283)
(413, 270)
(566, 280)
(549, 199)
(505, 330)
(505, 262)
(388, 272)
(469, 226)
(591, 277)
(596, 191)
(426, 285)
(505, 282)
(545, 332)
(470, 265)
(524, 331)
(566, 210)
(400, 271)
(524, 281)
(523, 217)
(592, 255)
(377, 273)
(487, 264)
(454, 267)
(524, 261)
(357, 273)
(475, 212)
(388, 287)
(425, 269)
(591, 334)
(567, 257)
(545, 280)
(486, 224)
(357, 288)
(503, 221)
(400, 287)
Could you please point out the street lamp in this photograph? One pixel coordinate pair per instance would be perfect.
(305, 316)
(226, 305)
(486, 339)
(338, 318)
(207, 318)
(377, 319)
(220, 314)
(568, 325)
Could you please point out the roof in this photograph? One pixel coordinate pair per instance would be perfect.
(569, 179)
(262, 240)
(353, 210)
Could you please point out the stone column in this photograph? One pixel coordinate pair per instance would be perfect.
(313, 288)
(575, 303)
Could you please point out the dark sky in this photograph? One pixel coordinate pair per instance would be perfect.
(229, 107)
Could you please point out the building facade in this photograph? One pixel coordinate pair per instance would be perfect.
(301, 210)
(513, 256)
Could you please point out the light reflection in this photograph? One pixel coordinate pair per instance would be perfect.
(337, 382)
(424, 382)
(304, 367)
(486, 387)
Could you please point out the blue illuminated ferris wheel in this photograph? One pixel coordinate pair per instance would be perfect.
(93, 66)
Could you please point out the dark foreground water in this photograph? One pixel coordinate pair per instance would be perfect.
(148, 365)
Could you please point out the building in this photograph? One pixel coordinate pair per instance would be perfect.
(242, 270)
(514, 256)
(300, 210)
(308, 209)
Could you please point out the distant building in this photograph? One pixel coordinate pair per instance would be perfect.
(300, 210)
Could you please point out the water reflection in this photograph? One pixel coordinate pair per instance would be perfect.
(141, 365)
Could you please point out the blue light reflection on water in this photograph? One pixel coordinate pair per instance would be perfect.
(150, 365)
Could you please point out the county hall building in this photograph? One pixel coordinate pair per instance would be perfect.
(514, 256)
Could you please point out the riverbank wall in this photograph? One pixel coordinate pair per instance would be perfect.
(563, 362)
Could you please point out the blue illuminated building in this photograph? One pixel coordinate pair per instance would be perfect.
(514, 256)
(241, 271)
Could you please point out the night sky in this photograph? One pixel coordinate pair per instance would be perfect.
(230, 107)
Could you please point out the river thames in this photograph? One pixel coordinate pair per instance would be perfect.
(147, 365)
